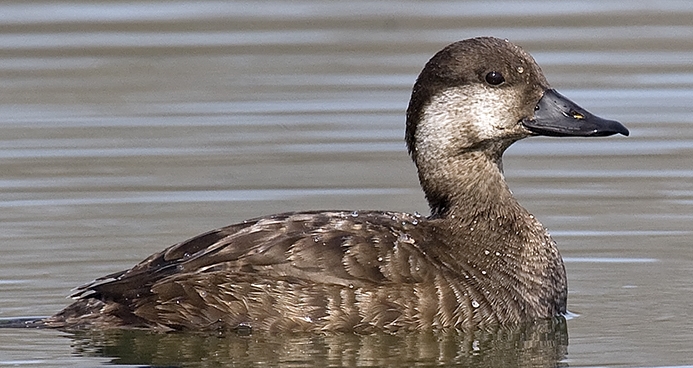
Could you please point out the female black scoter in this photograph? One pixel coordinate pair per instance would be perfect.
(479, 260)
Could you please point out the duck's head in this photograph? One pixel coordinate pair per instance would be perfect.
(478, 96)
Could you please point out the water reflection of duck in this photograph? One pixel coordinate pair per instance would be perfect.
(478, 260)
(542, 343)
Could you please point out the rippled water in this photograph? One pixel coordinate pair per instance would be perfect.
(126, 127)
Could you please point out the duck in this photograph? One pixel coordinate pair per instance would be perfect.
(479, 260)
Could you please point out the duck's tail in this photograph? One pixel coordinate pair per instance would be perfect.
(23, 322)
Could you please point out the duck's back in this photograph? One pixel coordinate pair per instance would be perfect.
(351, 271)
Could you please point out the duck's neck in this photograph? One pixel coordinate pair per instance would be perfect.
(465, 185)
(480, 207)
(487, 229)
(469, 196)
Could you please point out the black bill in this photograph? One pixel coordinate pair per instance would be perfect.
(557, 116)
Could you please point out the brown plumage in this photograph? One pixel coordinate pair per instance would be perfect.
(480, 259)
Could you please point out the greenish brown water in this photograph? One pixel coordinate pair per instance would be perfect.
(126, 127)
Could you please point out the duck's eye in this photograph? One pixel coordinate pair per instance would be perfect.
(494, 78)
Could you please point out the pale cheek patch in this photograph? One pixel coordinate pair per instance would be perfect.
(460, 116)
(441, 126)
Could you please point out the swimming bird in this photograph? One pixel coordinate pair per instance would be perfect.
(478, 260)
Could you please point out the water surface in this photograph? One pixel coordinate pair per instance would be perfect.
(126, 127)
